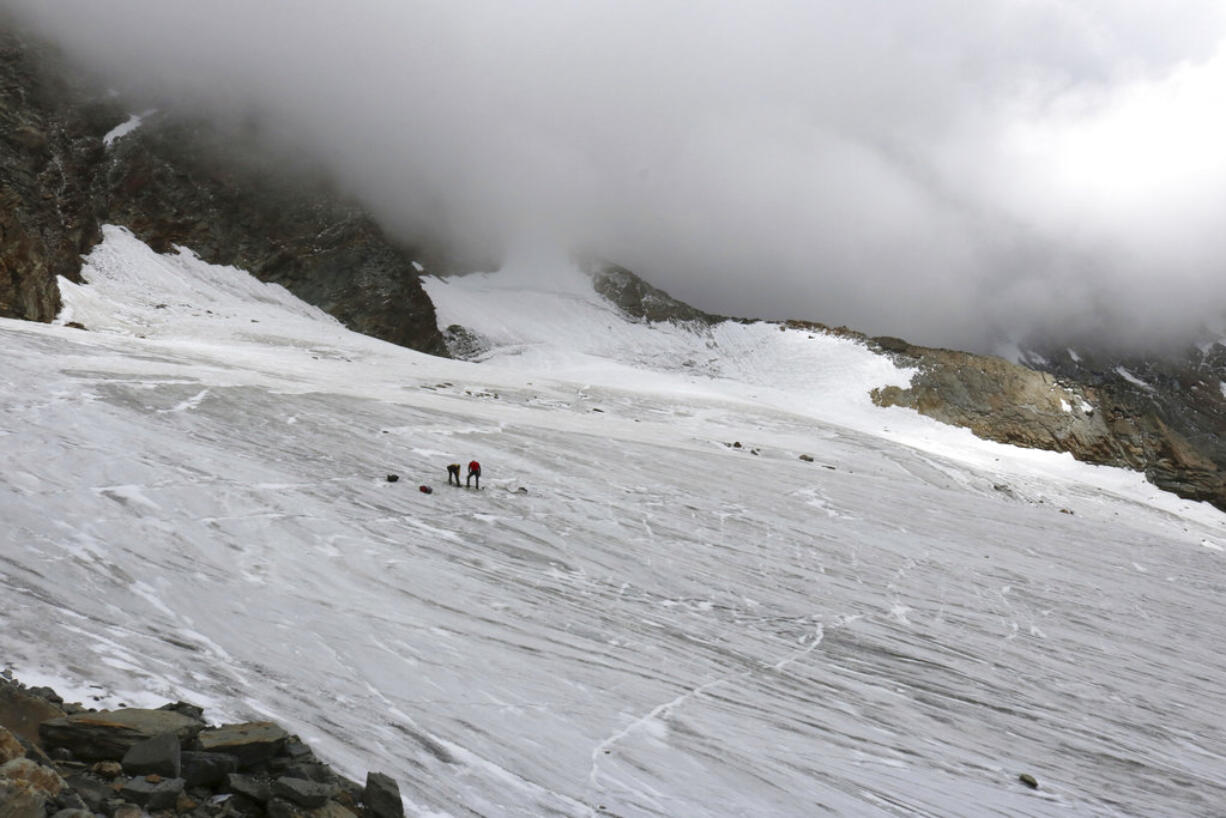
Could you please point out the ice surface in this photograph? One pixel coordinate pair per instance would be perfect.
(195, 506)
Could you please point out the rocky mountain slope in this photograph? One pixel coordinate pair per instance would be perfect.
(1097, 420)
(65, 169)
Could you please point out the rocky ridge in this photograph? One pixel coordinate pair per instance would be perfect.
(1099, 423)
(60, 759)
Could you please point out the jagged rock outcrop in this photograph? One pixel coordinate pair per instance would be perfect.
(1182, 388)
(47, 217)
(130, 762)
(213, 188)
(1008, 403)
(638, 299)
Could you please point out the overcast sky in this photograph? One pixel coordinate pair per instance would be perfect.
(950, 172)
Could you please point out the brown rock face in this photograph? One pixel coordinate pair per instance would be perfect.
(1001, 401)
(22, 712)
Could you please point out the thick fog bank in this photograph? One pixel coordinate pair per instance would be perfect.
(952, 175)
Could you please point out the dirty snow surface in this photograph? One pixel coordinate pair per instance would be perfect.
(634, 616)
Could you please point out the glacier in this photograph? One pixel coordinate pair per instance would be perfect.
(653, 607)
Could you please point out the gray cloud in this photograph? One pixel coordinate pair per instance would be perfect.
(945, 171)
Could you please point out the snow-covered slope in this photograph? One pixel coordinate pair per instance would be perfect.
(632, 617)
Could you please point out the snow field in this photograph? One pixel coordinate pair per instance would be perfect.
(661, 624)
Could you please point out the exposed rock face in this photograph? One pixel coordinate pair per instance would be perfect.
(1103, 424)
(46, 213)
(1182, 389)
(176, 182)
(212, 189)
(640, 300)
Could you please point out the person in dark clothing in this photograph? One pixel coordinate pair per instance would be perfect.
(453, 470)
(474, 473)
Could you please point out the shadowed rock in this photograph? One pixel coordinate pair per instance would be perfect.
(159, 755)
(251, 743)
(304, 793)
(92, 791)
(248, 786)
(109, 734)
(153, 795)
(201, 769)
(382, 796)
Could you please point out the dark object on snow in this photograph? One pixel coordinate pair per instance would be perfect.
(807, 458)
(474, 473)
(1028, 780)
(453, 471)
(392, 478)
(425, 489)
(382, 796)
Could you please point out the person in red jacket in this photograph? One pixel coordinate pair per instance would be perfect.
(474, 473)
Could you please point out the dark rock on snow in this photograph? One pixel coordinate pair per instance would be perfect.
(382, 796)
